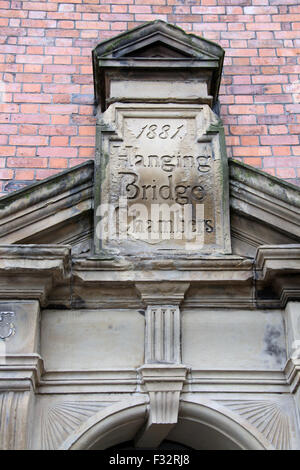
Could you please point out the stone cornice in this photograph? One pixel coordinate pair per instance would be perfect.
(292, 372)
(265, 198)
(45, 204)
(277, 274)
(20, 372)
(270, 258)
(34, 269)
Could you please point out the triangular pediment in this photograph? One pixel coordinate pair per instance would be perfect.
(151, 34)
(59, 210)
(156, 47)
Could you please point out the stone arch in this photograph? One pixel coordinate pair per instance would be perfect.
(201, 425)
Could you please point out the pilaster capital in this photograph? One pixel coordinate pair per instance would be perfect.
(162, 293)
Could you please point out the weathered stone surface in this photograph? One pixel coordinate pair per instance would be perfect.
(215, 340)
(118, 338)
(163, 172)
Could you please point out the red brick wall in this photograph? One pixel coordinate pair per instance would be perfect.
(46, 83)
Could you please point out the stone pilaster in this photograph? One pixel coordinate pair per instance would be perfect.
(20, 368)
(162, 375)
(292, 370)
(162, 334)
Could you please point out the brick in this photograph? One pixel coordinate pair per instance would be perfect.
(41, 174)
(275, 109)
(278, 129)
(281, 151)
(27, 129)
(87, 152)
(85, 141)
(26, 151)
(57, 152)
(61, 99)
(43, 6)
(59, 108)
(28, 140)
(263, 26)
(6, 151)
(32, 87)
(244, 99)
(30, 118)
(59, 141)
(282, 162)
(87, 130)
(8, 129)
(280, 140)
(257, 162)
(294, 129)
(270, 79)
(24, 174)
(29, 108)
(286, 172)
(58, 163)
(58, 130)
(248, 130)
(32, 98)
(272, 119)
(22, 162)
(249, 140)
(6, 174)
(252, 151)
(246, 109)
(77, 161)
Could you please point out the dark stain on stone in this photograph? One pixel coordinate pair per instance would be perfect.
(78, 302)
(272, 343)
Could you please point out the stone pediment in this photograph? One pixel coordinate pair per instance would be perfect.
(160, 47)
(59, 210)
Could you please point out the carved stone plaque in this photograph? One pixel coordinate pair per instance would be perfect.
(161, 179)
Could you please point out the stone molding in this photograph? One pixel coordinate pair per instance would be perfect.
(162, 293)
(277, 270)
(45, 204)
(262, 197)
(34, 270)
(292, 372)
(21, 372)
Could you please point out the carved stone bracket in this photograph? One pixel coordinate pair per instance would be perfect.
(164, 385)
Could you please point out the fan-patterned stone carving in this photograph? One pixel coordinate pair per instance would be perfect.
(269, 417)
(61, 419)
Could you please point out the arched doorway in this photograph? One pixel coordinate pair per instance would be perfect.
(201, 426)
